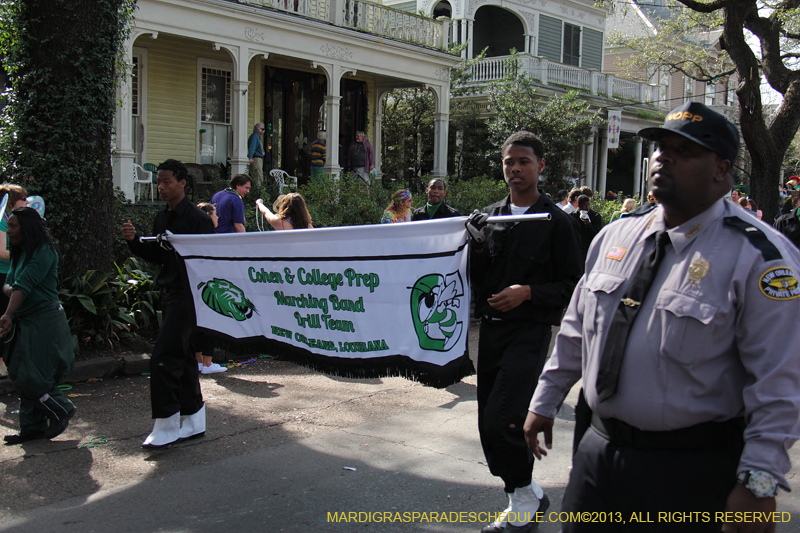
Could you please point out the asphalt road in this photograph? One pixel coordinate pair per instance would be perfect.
(287, 449)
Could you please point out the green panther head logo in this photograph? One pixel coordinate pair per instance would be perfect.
(433, 301)
(225, 298)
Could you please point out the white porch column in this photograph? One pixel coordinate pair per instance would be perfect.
(637, 165)
(463, 38)
(602, 165)
(470, 31)
(332, 103)
(441, 128)
(333, 75)
(123, 157)
(239, 86)
(588, 166)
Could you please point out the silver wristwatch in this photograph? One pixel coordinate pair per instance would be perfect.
(760, 483)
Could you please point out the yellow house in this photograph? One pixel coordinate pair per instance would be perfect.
(204, 72)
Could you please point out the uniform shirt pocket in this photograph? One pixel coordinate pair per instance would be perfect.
(600, 304)
(684, 321)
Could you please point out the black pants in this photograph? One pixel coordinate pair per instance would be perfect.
(511, 356)
(607, 478)
(174, 378)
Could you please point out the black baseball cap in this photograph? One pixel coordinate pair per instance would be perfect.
(700, 124)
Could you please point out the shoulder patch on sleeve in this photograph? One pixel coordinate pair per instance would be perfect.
(779, 283)
(643, 209)
(756, 237)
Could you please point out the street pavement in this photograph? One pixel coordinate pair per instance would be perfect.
(287, 449)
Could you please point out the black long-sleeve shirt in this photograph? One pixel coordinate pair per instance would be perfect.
(186, 218)
(542, 254)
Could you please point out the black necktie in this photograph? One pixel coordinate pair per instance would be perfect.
(628, 308)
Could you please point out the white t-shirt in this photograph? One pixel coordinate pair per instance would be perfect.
(517, 210)
(569, 208)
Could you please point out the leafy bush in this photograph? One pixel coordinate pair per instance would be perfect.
(344, 202)
(103, 308)
(475, 193)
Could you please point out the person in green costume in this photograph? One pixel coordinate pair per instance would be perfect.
(38, 345)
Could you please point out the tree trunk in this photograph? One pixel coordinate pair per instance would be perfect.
(64, 56)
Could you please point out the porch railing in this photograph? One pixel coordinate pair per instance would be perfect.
(367, 17)
(549, 72)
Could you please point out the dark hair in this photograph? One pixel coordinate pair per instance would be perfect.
(573, 194)
(587, 191)
(177, 168)
(240, 179)
(753, 204)
(292, 206)
(525, 138)
(560, 195)
(207, 207)
(584, 199)
(434, 180)
(15, 194)
(34, 234)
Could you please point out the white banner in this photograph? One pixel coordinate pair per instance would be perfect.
(363, 301)
(614, 127)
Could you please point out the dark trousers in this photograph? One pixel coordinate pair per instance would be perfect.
(174, 378)
(511, 356)
(623, 481)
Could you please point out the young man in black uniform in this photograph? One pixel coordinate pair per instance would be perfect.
(435, 208)
(174, 377)
(523, 276)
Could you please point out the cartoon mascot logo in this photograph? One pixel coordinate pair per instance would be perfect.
(434, 299)
(225, 298)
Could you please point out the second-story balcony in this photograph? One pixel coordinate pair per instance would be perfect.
(550, 73)
(367, 17)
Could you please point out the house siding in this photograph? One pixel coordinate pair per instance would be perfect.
(592, 49)
(172, 96)
(550, 38)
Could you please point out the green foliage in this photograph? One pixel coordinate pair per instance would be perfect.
(55, 132)
(475, 193)
(407, 133)
(344, 202)
(561, 121)
(606, 208)
(141, 216)
(102, 308)
(686, 42)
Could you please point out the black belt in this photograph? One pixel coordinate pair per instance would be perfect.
(701, 436)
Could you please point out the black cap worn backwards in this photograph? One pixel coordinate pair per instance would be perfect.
(702, 125)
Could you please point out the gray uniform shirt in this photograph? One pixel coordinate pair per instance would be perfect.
(714, 338)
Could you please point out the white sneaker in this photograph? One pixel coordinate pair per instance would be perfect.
(165, 432)
(213, 368)
(200, 366)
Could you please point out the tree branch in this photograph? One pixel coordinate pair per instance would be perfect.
(705, 7)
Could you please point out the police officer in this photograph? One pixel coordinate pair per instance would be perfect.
(523, 275)
(678, 328)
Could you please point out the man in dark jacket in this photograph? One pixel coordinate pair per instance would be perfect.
(789, 224)
(523, 276)
(589, 223)
(435, 208)
(174, 377)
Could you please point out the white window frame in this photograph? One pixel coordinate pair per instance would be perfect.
(221, 65)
